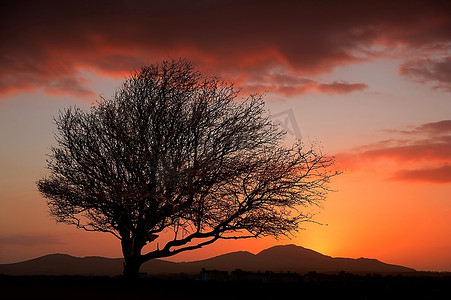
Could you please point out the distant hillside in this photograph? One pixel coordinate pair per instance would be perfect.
(294, 259)
(279, 258)
(63, 264)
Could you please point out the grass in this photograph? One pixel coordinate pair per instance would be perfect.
(313, 286)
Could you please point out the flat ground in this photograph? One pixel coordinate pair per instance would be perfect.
(314, 286)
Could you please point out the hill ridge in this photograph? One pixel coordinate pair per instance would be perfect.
(278, 258)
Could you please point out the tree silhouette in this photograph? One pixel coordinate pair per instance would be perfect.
(173, 157)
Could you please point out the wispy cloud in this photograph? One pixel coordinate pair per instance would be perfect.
(435, 175)
(442, 128)
(291, 85)
(341, 87)
(422, 150)
(426, 149)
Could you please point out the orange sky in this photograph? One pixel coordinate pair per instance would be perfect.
(370, 81)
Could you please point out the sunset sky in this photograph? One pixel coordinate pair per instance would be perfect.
(368, 80)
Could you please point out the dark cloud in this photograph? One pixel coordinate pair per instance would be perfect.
(29, 240)
(434, 175)
(290, 85)
(43, 41)
(437, 71)
(436, 128)
(439, 130)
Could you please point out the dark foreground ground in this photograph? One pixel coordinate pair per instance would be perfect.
(313, 286)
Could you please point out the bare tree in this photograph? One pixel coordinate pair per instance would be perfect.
(174, 152)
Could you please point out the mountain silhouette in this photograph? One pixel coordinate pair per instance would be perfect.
(285, 258)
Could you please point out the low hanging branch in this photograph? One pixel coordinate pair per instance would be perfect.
(175, 151)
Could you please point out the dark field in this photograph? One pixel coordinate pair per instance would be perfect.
(313, 286)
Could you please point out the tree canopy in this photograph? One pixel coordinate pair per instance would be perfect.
(176, 153)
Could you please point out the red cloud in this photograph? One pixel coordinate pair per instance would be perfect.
(54, 76)
(422, 151)
(44, 41)
(434, 175)
(429, 159)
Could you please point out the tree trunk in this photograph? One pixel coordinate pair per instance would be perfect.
(131, 249)
(131, 267)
